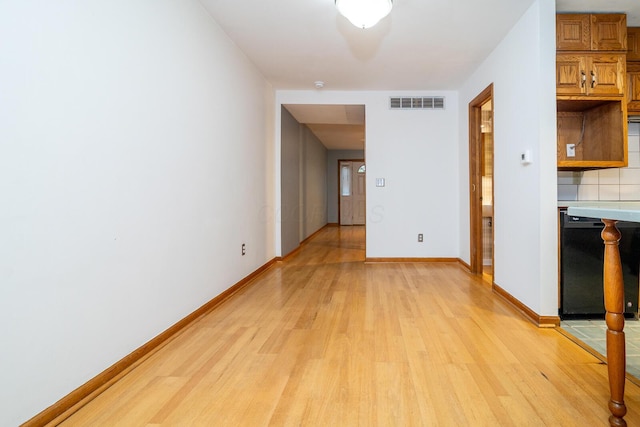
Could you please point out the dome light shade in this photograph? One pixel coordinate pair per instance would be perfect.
(364, 13)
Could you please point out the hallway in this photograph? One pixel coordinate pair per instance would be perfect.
(323, 339)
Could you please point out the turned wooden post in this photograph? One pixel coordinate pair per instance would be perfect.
(614, 306)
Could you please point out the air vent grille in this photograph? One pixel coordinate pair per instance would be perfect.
(416, 103)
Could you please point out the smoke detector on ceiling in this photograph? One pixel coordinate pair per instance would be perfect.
(319, 84)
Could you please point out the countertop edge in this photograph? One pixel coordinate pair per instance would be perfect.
(620, 211)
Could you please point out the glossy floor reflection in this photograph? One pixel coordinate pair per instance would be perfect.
(325, 338)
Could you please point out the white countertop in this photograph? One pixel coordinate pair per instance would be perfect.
(580, 203)
(621, 211)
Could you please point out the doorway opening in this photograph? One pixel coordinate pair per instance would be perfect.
(313, 140)
(481, 180)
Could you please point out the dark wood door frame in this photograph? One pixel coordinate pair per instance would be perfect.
(475, 177)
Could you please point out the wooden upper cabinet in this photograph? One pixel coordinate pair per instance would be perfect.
(633, 44)
(571, 74)
(592, 134)
(589, 32)
(609, 31)
(573, 31)
(633, 70)
(592, 86)
(607, 74)
(633, 87)
(594, 74)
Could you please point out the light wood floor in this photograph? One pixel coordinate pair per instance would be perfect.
(323, 339)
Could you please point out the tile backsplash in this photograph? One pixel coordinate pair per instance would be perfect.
(605, 184)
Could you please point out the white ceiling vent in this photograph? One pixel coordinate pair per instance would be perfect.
(416, 103)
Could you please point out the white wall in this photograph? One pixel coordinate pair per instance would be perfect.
(522, 70)
(417, 153)
(134, 161)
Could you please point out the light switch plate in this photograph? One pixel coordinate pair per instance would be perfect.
(379, 182)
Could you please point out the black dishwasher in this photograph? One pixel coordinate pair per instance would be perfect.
(581, 271)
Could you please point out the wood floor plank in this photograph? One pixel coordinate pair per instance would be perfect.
(323, 338)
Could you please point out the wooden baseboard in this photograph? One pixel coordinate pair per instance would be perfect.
(464, 265)
(289, 255)
(305, 241)
(535, 318)
(376, 260)
(69, 404)
(314, 234)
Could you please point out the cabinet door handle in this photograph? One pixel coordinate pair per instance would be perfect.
(593, 79)
(584, 78)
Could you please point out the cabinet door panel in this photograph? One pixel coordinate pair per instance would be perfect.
(633, 91)
(570, 74)
(573, 31)
(609, 31)
(608, 73)
(633, 44)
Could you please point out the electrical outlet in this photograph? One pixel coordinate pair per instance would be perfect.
(244, 249)
(571, 150)
(420, 238)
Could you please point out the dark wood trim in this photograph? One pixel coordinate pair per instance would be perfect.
(380, 260)
(540, 321)
(475, 178)
(69, 404)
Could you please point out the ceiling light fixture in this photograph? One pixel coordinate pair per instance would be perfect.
(364, 13)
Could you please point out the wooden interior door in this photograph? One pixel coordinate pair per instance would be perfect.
(359, 191)
(352, 192)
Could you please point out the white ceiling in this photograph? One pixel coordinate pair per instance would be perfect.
(630, 7)
(421, 45)
(430, 44)
(339, 127)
